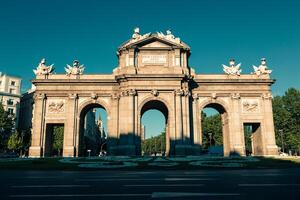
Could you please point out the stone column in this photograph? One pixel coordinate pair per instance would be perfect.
(268, 132)
(186, 118)
(196, 121)
(179, 129)
(127, 123)
(38, 123)
(114, 120)
(70, 133)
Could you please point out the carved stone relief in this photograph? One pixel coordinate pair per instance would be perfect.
(56, 106)
(250, 105)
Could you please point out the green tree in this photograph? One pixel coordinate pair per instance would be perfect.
(15, 142)
(212, 130)
(287, 119)
(58, 138)
(154, 144)
(6, 126)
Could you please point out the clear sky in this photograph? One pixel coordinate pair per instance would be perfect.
(91, 30)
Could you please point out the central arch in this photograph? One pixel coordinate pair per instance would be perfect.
(153, 104)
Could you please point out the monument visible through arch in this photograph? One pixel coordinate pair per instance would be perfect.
(153, 72)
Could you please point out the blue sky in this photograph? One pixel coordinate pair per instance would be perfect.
(91, 30)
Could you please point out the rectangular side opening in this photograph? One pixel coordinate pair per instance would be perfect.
(54, 140)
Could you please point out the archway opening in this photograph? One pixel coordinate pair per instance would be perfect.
(153, 129)
(214, 129)
(253, 139)
(93, 132)
(54, 140)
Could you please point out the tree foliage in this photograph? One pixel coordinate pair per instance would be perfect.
(286, 112)
(58, 138)
(6, 126)
(212, 130)
(155, 144)
(15, 142)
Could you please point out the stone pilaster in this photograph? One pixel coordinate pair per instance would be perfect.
(38, 122)
(127, 123)
(269, 133)
(186, 117)
(196, 121)
(179, 128)
(236, 133)
(71, 132)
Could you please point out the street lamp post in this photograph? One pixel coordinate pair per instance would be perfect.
(281, 135)
(210, 135)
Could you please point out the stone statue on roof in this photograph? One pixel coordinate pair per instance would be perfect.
(262, 68)
(169, 36)
(232, 69)
(75, 69)
(43, 69)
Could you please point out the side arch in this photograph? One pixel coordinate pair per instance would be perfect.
(222, 107)
(214, 101)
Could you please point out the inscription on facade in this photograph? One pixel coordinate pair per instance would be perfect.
(154, 59)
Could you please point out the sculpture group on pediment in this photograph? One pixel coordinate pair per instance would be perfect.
(136, 36)
(169, 36)
(43, 69)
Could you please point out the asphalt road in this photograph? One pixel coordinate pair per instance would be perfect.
(200, 184)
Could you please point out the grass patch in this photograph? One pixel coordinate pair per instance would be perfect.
(54, 164)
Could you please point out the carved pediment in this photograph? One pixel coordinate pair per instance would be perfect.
(156, 44)
(154, 41)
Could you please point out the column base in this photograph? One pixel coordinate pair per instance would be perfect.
(238, 150)
(272, 150)
(122, 150)
(185, 150)
(35, 152)
(69, 151)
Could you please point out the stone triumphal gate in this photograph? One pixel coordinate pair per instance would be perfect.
(153, 72)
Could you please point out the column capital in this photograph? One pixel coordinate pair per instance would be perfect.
(132, 92)
(195, 96)
(40, 96)
(178, 92)
(73, 95)
(236, 96)
(267, 96)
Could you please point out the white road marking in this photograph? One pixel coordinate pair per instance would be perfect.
(193, 175)
(266, 184)
(134, 173)
(48, 186)
(165, 185)
(112, 176)
(77, 195)
(188, 179)
(42, 177)
(263, 175)
(121, 179)
(188, 194)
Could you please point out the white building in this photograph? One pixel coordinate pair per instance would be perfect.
(10, 93)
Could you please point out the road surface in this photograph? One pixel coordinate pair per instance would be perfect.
(166, 184)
